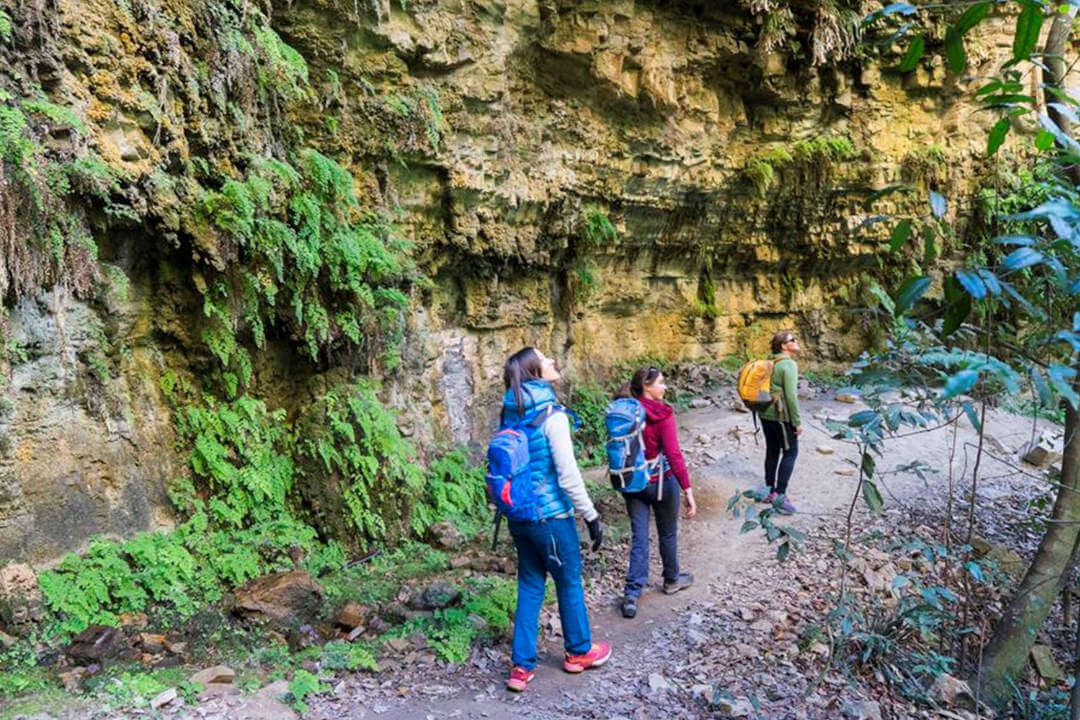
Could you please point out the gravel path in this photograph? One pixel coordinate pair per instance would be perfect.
(683, 649)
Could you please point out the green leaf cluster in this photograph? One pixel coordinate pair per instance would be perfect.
(311, 260)
(815, 153)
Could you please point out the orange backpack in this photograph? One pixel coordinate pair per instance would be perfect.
(754, 384)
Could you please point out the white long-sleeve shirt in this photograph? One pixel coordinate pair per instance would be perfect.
(557, 431)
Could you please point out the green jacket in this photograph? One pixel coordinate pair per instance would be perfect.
(785, 384)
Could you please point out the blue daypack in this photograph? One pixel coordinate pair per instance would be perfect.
(627, 469)
(509, 479)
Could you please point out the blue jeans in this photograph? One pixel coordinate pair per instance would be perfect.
(548, 546)
(667, 526)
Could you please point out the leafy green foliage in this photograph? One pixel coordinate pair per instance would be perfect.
(380, 579)
(788, 538)
(597, 229)
(454, 492)
(19, 681)
(493, 599)
(341, 655)
(590, 401)
(283, 68)
(350, 444)
(135, 689)
(485, 613)
(912, 55)
(303, 684)
(817, 154)
(239, 450)
(57, 244)
(239, 526)
(311, 260)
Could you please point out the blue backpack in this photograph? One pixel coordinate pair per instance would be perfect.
(509, 478)
(625, 421)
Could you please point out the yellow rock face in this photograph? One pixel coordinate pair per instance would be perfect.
(488, 131)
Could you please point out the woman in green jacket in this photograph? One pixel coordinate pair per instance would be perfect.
(781, 422)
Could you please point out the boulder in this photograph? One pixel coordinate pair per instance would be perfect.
(152, 643)
(21, 602)
(1039, 453)
(290, 595)
(351, 616)
(444, 535)
(952, 692)
(72, 680)
(217, 675)
(435, 596)
(1045, 664)
(97, 643)
(163, 698)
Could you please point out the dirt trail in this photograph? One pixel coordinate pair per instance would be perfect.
(710, 546)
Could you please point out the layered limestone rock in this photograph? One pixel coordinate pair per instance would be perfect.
(606, 180)
(661, 116)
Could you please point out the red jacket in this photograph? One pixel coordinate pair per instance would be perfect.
(662, 435)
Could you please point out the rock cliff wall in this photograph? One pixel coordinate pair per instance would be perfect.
(606, 180)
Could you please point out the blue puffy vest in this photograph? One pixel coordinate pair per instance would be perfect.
(551, 499)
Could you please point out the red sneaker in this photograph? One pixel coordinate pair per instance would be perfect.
(771, 497)
(519, 679)
(598, 655)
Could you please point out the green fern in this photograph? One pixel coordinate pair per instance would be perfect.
(58, 114)
(597, 228)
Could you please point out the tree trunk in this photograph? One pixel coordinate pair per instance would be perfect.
(1006, 654)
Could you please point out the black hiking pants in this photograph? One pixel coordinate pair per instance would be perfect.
(779, 455)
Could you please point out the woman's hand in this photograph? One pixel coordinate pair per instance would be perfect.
(688, 501)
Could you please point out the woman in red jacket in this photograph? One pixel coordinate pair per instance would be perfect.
(667, 476)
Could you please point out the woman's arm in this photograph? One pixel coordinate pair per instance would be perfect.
(669, 445)
(557, 432)
(791, 393)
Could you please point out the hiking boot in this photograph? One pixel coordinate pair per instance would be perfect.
(771, 497)
(629, 607)
(682, 582)
(786, 508)
(598, 655)
(519, 679)
(761, 493)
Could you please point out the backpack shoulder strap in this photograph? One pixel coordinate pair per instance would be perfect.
(541, 415)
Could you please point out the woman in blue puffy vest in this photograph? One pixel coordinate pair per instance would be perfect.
(550, 544)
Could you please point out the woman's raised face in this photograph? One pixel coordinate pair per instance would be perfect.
(656, 389)
(548, 371)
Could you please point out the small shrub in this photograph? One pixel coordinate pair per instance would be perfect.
(597, 229)
(341, 655)
(455, 492)
(361, 477)
(302, 685)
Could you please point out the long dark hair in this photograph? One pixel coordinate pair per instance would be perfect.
(522, 366)
(636, 387)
